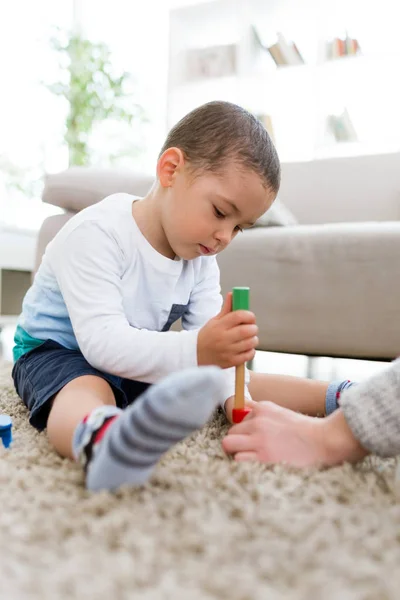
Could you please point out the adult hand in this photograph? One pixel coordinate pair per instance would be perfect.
(272, 434)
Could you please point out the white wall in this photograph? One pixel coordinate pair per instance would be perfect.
(360, 188)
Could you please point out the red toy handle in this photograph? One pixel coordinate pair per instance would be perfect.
(238, 414)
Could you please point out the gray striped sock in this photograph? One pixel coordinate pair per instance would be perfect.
(162, 416)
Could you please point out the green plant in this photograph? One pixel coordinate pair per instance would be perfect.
(93, 91)
(25, 180)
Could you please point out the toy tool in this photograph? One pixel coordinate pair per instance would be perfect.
(240, 301)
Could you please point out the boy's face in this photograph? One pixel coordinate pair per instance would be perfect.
(203, 214)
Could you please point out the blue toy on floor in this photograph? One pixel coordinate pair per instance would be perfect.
(5, 430)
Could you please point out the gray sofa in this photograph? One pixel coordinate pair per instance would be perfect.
(320, 289)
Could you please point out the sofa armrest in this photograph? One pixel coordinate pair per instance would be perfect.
(77, 188)
(327, 290)
(49, 228)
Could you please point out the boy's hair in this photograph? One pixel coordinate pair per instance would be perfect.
(214, 133)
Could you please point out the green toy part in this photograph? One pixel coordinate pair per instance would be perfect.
(241, 298)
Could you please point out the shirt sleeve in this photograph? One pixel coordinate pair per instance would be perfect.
(205, 303)
(372, 411)
(89, 267)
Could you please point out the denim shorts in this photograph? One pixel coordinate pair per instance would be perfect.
(39, 374)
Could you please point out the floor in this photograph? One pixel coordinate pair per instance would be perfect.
(273, 533)
(269, 362)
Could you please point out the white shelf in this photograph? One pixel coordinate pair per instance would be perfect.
(337, 67)
(298, 98)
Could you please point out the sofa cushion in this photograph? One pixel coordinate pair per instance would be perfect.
(79, 187)
(324, 290)
(277, 216)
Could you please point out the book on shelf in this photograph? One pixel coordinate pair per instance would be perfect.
(282, 51)
(210, 62)
(339, 47)
(341, 127)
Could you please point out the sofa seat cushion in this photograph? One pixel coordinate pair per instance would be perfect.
(327, 290)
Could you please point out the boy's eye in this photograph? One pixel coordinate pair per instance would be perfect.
(221, 215)
(218, 213)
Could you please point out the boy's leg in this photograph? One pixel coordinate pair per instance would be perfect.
(72, 403)
(306, 396)
(122, 447)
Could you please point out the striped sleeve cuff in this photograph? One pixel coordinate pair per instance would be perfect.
(333, 394)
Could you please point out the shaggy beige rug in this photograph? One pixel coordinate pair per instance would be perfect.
(203, 528)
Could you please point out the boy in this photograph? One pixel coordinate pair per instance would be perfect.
(94, 329)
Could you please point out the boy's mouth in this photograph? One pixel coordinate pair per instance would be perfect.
(205, 249)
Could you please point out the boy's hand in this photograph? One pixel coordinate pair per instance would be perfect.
(272, 434)
(229, 339)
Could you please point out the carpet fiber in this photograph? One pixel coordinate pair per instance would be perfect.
(203, 528)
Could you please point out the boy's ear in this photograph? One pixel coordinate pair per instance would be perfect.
(169, 163)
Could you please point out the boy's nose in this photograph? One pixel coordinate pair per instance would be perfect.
(223, 237)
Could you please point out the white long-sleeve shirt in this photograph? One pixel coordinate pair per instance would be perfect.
(104, 289)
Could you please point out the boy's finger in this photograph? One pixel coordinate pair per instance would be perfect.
(241, 333)
(239, 359)
(249, 343)
(227, 305)
(238, 317)
(237, 443)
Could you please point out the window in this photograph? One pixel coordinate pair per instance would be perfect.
(32, 118)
